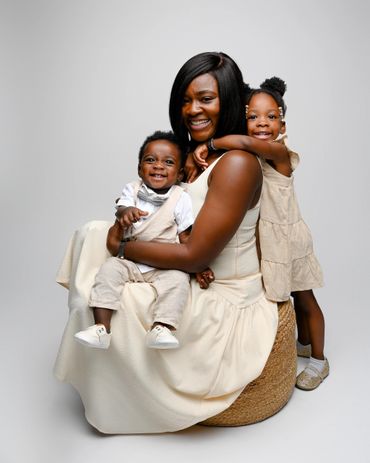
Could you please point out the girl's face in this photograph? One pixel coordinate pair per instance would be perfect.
(160, 166)
(201, 107)
(263, 118)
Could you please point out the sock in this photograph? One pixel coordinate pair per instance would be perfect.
(316, 363)
(302, 346)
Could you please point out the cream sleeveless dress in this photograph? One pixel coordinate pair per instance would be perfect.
(226, 335)
(288, 261)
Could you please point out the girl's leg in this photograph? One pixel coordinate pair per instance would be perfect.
(310, 322)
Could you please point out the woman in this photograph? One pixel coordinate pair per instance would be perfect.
(228, 330)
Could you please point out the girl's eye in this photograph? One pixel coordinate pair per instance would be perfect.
(272, 116)
(252, 117)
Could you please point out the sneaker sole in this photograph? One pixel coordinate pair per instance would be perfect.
(88, 344)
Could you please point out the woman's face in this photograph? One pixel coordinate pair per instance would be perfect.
(201, 107)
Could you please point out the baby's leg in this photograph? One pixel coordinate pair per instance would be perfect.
(109, 282)
(105, 299)
(172, 287)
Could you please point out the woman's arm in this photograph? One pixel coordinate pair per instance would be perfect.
(234, 187)
(272, 151)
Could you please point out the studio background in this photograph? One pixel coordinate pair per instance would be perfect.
(82, 83)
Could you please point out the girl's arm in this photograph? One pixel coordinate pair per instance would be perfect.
(234, 187)
(272, 151)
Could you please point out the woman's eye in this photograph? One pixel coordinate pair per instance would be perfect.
(207, 99)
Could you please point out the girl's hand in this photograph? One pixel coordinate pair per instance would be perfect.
(191, 169)
(129, 215)
(205, 278)
(200, 155)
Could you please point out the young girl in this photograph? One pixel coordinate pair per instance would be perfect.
(288, 264)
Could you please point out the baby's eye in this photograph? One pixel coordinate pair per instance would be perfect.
(170, 162)
(149, 159)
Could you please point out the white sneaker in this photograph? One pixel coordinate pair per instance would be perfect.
(160, 337)
(94, 336)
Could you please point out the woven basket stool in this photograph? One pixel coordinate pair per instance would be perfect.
(267, 394)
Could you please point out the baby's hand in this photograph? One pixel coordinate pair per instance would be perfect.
(200, 155)
(205, 278)
(129, 215)
(191, 169)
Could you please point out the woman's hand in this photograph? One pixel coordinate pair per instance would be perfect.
(126, 216)
(205, 278)
(200, 155)
(191, 169)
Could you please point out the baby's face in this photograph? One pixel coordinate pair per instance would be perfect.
(263, 118)
(160, 166)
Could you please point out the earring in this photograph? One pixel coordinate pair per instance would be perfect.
(246, 111)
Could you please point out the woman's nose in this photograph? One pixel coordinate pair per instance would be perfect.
(194, 108)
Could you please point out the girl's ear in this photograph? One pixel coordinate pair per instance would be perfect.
(282, 128)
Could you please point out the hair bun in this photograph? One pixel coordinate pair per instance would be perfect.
(247, 89)
(274, 84)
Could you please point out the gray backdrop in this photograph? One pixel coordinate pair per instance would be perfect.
(81, 84)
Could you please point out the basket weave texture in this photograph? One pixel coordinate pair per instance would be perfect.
(267, 394)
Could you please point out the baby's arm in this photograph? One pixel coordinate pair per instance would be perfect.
(204, 278)
(272, 151)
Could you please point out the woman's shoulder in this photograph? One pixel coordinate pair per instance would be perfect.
(239, 162)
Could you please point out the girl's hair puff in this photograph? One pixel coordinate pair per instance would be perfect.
(273, 86)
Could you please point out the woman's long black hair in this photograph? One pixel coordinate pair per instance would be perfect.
(230, 87)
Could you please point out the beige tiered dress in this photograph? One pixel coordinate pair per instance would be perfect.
(226, 336)
(288, 262)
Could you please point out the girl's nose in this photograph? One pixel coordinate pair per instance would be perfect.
(262, 122)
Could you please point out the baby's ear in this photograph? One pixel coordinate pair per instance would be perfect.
(282, 128)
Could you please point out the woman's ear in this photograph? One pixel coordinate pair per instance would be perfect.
(282, 128)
